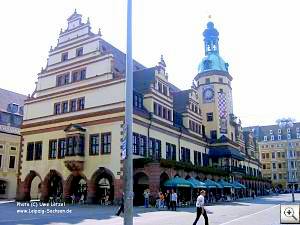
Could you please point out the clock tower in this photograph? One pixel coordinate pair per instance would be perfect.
(213, 83)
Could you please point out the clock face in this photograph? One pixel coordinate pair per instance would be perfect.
(208, 94)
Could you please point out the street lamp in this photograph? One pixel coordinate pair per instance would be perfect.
(289, 123)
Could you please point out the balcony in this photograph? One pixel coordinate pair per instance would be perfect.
(234, 169)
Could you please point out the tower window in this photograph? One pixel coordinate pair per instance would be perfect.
(209, 117)
(221, 80)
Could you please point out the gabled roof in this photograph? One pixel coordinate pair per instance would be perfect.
(7, 97)
(120, 58)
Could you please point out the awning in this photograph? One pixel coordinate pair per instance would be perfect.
(177, 182)
(196, 183)
(212, 184)
(225, 184)
(238, 185)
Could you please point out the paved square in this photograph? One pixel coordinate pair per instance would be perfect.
(261, 211)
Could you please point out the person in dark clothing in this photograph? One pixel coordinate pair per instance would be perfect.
(167, 199)
(200, 208)
(121, 208)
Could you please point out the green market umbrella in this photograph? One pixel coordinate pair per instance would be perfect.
(177, 182)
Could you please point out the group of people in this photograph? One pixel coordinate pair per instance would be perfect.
(167, 199)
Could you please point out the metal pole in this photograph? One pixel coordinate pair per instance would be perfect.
(128, 172)
(293, 193)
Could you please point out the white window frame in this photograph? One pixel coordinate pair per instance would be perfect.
(288, 136)
(279, 137)
(271, 131)
(288, 130)
(272, 137)
(265, 138)
(298, 135)
(279, 131)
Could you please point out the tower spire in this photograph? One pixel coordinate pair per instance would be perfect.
(211, 38)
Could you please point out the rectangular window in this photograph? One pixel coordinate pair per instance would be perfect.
(170, 151)
(278, 155)
(81, 102)
(59, 81)
(79, 51)
(13, 148)
(159, 110)
(159, 86)
(62, 148)
(213, 134)
(185, 154)
(279, 131)
(75, 76)
(209, 117)
(106, 143)
(263, 155)
(298, 135)
(52, 149)
(265, 138)
(157, 150)
(71, 145)
(30, 151)
(80, 146)
(38, 150)
(273, 155)
(279, 137)
(272, 137)
(288, 130)
(197, 158)
(288, 136)
(143, 145)
(94, 144)
(64, 56)
(66, 79)
(64, 107)
(155, 108)
(164, 112)
(279, 166)
(0, 161)
(274, 165)
(267, 155)
(12, 160)
(72, 105)
(56, 108)
(271, 131)
(135, 140)
(82, 74)
(1, 146)
(264, 166)
(165, 90)
(169, 115)
(282, 154)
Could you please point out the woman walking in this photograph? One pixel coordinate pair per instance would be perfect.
(200, 208)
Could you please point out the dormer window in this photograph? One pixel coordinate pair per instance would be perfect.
(79, 52)
(64, 56)
(271, 132)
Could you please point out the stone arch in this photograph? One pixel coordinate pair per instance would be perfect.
(28, 189)
(75, 184)
(101, 185)
(53, 185)
(140, 184)
(163, 178)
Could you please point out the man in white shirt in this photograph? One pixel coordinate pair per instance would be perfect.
(173, 200)
(200, 208)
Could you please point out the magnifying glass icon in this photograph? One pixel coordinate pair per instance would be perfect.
(289, 212)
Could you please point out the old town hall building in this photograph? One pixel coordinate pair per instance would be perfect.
(72, 128)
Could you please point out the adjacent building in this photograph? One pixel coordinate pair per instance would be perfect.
(11, 113)
(73, 124)
(279, 153)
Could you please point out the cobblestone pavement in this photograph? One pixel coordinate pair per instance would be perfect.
(261, 211)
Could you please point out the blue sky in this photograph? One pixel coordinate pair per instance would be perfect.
(259, 40)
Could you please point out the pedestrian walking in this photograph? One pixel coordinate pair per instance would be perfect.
(121, 208)
(200, 208)
(173, 200)
(146, 198)
(253, 194)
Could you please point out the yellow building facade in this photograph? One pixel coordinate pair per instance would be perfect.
(73, 125)
(11, 112)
